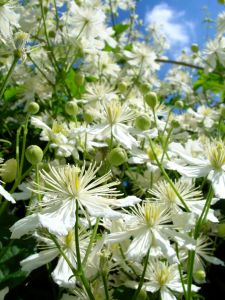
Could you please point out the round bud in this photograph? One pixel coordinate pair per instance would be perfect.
(88, 118)
(142, 295)
(179, 104)
(221, 230)
(34, 154)
(221, 1)
(122, 87)
(79, 78)
(8, 170)
(33, 108)
(144, 88)
(117, 156)
(175, 124)
(199, 276)
(71, 108)
(151, 99)
(143, 122)
(194, 48)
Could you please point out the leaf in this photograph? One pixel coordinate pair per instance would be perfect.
(120, 28)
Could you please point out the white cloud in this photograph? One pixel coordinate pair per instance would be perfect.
(176, 29)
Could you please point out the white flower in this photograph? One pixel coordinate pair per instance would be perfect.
(61, 188)
(160, 276)
(215, 51)
(8, 19)
(62, 274)
(146, 224)
(3, 292)
(114, 116)
(212, 164)
(6, 195)
(221, 23)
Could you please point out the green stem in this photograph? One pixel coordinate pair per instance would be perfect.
(141, 282)
(3, 87)
(167, 177)
(23, 145)
(91, 242)
(105, 283)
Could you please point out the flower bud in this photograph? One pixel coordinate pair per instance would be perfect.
(144, 88)
(151, 99)
(117, 156)
(221, 1)
(79, 78)
(200, 276)
(175, 124)
(34, 154)
(143, 122)
(142, 295)
(194, 48)
(122, 87)
(8, 170)
(71, 108)
(88, 118)
(33, 108)
(221, 230)
(179, 104)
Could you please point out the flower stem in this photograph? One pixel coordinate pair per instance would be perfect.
(141, 282)
(8, 76)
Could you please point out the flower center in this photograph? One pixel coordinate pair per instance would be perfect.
(151, 214)
(113, 112)
(69, 239)
(162, 275)
(216, 154)
(157, 150)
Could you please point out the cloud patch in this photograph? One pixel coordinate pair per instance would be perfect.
(174, 27)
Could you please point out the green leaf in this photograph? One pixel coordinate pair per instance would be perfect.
(120, 28)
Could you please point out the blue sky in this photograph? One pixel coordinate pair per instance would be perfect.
(182, 20)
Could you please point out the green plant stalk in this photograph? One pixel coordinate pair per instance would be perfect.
(105, 283)
(180, 270)
(167, 177)
(141, 282)
(91, 242)
(191, 254)
(166, 143)
(80, 271)
(23, 145)
(3, 87)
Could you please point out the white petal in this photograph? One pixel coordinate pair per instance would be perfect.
(189, 171)
(213, 260)
(62, 274)
(24, 226)
(140, 245)
(151, 287)
(96, 210)
(120, 132)
(39, 124)
(127, 201)
(3, 292)
(98, 129)
(38, 259)
(117, 237)
(218, 183)
(166, 294)
(6, 195)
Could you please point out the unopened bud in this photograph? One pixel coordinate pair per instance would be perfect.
(194, 48)
(79, 78)
(144, 88)
(8, 170)
(34, 154)
(71, 108)
(175, 124)
(200, 276)
(33, 108)
(142, 295)
(221, 230)
(143, 122)
(122, 87)
(88, 117)
(117, 156)
(151, 99)
(179, 104)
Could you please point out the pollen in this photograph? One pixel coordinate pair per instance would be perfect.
(113, 111)
(216, 154)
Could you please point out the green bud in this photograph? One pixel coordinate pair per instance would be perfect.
(221, 1)
(71, 108)
(175, 124)
(122, 87)
(34, 154)
(33, 108)
(143, 122)
(179, 104)
(151, 99)
(117, 156)
(194, 48)
(8, 170)
(221, 230)
(144, 88)
(142, 295)
(200, 276)
(88, 118)
(79, 78)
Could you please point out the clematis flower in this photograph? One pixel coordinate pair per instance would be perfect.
(61, 188)
(212, 164)
(114, 116)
